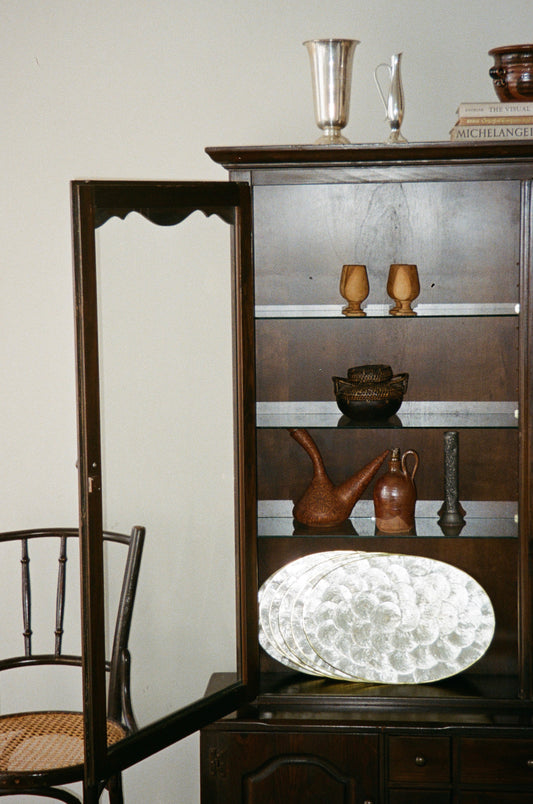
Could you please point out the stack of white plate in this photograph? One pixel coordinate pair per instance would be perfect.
(374, 617)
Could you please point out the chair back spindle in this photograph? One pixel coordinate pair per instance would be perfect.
(26, 597)
(60, 596)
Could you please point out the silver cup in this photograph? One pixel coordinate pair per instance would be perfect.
(331, 73)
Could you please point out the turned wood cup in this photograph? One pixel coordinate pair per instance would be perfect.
(403, 287)
(354, 288)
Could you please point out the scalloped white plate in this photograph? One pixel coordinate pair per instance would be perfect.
(290, 611)
(270, 596)
(374, 617)
(398, 619)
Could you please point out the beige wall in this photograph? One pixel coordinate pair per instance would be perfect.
(137, 89)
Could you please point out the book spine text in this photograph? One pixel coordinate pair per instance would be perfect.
(495, 109)
(497, 132)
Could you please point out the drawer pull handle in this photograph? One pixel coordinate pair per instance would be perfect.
(420, 760)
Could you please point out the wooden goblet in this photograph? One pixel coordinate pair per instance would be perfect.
(354, 288)
(390, 283)
(403, 287)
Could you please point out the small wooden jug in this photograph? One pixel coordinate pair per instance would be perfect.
(395, 495)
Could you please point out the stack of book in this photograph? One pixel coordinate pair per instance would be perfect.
(480, 122)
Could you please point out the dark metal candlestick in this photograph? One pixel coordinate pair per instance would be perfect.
(451, 513)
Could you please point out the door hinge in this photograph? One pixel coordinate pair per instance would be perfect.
(217, 763)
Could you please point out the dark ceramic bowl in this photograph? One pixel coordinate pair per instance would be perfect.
(512, 73)
(371, 373)
(361, 402)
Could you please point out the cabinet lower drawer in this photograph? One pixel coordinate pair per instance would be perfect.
(496, 761)
(419, 759)
(419, 797)
(493, 798)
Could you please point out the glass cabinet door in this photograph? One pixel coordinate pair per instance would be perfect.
(164, 358)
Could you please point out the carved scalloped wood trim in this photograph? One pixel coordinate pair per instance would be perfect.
(164, 217)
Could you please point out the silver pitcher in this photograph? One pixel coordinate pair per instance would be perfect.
(394, 102)
(331, 74)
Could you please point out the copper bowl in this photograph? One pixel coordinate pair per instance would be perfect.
(373, 400)
(512, 73)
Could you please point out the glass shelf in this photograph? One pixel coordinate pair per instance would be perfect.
(482, 520)
(447, 415)
(382, 310)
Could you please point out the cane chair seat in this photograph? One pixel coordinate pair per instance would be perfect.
(39, 741)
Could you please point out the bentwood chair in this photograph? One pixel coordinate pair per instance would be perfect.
(42, 750)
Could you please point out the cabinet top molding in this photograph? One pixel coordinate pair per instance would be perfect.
(440, 153)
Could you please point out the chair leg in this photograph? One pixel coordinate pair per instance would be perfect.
(114, 787)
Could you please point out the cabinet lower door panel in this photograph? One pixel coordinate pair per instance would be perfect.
(296, 768)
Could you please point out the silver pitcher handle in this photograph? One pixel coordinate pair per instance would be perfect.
(376, 79)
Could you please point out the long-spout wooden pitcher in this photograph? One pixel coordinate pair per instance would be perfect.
(323, 504)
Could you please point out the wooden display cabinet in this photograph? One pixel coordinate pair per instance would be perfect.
(464, 216)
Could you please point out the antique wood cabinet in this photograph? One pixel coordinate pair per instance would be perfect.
(464, 216)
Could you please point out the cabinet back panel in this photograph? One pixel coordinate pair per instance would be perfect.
(447, 359)
(485, 471)
(463, 238)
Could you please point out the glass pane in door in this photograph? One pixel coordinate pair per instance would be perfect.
(165, 360)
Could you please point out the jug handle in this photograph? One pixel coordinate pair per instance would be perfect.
(415, 464)
(376, 79)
